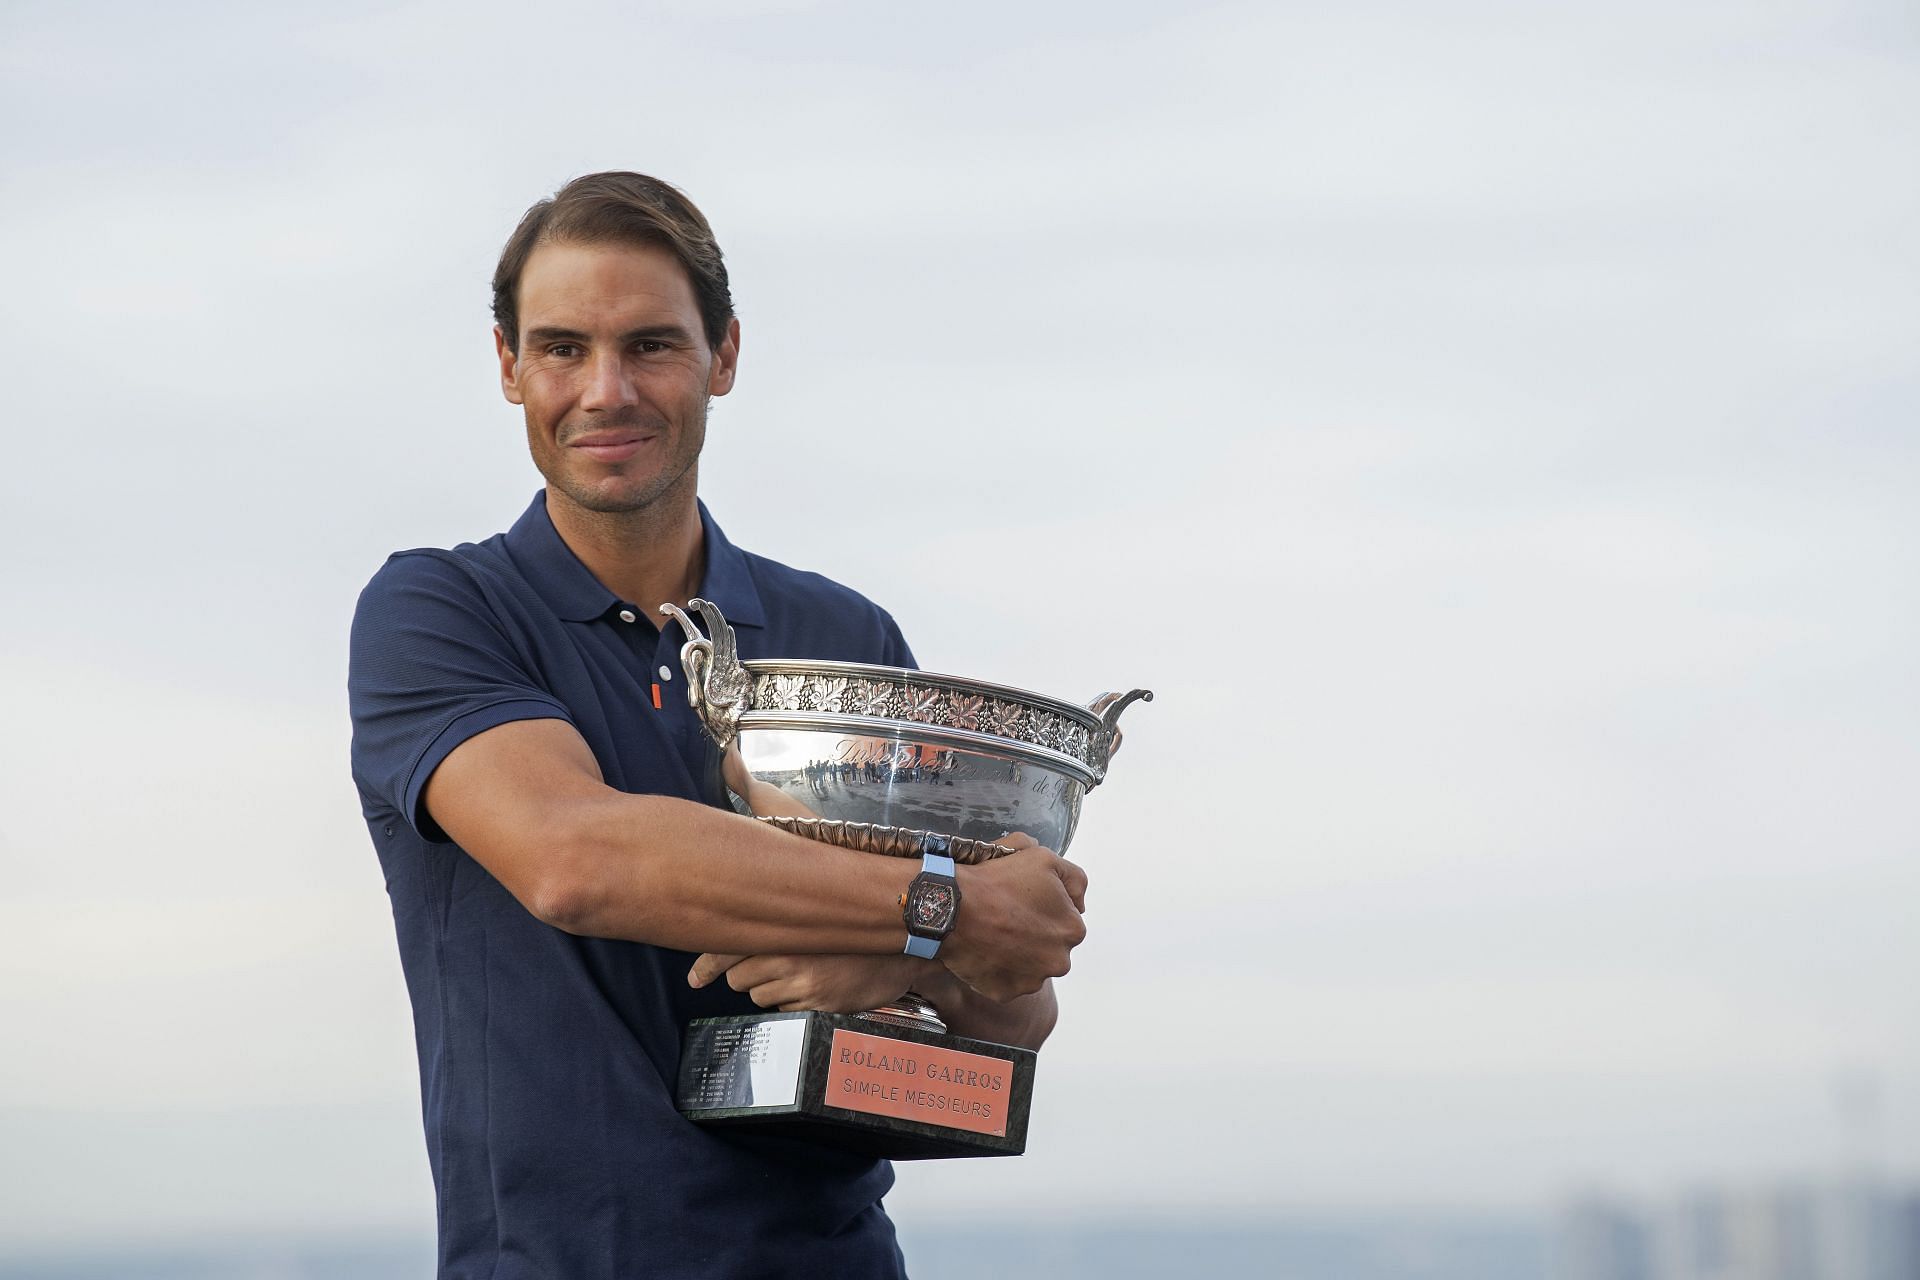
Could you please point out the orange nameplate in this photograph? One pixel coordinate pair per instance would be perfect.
(923, 1082)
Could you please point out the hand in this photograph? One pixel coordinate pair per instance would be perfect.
(833, 984)
(763, 798)
(1019, 919)
(733, 770)
(1099, 707)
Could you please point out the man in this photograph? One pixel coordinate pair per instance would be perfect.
(568, 886)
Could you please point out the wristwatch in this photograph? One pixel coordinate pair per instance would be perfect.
(930, 905)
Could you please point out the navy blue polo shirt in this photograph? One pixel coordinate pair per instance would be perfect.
(547, 1061)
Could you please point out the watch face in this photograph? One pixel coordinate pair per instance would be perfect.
(932, 906)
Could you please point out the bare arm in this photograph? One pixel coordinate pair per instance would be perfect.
(763, 798)
(527, 801)
(1026, 1020)
(851, 983)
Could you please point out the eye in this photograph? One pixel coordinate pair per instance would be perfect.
(564, 350)
(649, 346)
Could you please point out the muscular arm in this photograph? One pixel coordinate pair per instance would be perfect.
(526, 799)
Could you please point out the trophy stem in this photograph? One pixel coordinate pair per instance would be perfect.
(911, 1010)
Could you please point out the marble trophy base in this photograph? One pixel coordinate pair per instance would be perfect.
(903, 1093)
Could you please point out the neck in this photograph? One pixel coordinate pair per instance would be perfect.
(649, 557)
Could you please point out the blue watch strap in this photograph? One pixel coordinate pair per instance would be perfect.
(938, 864)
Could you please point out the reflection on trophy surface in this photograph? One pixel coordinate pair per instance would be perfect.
(895, 762)
(963, 793)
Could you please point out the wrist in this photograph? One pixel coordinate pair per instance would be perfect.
(932, 979)
(962, 938)
(932, 903)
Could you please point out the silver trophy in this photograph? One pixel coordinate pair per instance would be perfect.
(896, 762)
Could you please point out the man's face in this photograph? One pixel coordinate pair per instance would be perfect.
(614, 372)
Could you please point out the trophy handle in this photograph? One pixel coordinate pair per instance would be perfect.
(1108, 707)
(718, 688)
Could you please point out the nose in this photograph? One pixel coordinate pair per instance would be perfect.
(607, 385)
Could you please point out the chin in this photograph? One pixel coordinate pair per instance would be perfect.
(616, 493)
(610, 497)
(609, 502)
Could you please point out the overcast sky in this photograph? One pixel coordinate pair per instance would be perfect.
(1489, 427)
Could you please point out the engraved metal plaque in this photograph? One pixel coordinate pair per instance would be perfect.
(929, 1083)
(741, 1063)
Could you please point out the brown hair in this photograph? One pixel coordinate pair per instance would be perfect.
(617, 207)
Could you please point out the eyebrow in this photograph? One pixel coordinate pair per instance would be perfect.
(655, 332)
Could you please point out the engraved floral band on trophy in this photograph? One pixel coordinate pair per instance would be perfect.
(896, 762)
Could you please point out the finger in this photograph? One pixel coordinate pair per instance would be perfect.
(710, 966)
(734, 770)
(1017, 840)
(777, 993)
(1075, 881)
(785, 991)
(754, 971)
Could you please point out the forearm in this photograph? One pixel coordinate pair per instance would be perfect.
(1025, 1020)
(682, 875)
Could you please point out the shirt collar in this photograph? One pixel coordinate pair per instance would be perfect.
(728, 581)
(573, 593)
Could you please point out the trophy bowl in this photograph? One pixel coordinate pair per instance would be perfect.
(892, 760)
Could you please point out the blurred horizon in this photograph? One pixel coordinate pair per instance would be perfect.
(1858, 1229)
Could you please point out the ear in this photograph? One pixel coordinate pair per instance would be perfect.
(726, 359)
(509, 368)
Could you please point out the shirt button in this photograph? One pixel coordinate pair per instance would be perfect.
(628, 615)
(665, 674)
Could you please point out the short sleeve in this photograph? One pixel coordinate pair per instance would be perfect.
(431, 665)
(894, 645)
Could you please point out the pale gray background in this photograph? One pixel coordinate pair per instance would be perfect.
(1489, 426)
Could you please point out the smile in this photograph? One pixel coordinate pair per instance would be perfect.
(612, 448)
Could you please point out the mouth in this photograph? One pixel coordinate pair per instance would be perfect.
(611, 447)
